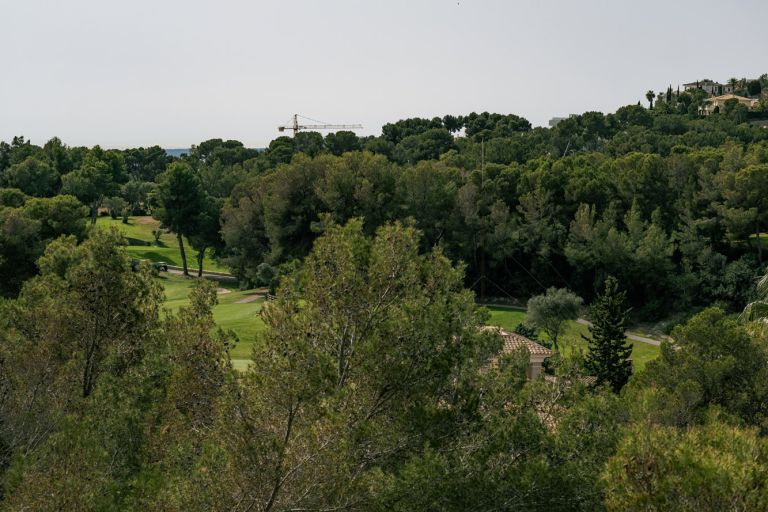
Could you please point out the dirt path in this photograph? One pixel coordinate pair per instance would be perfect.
(633, 337)
(145, 219)
(249, 298)
(206, 275)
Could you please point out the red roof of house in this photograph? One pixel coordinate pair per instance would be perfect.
(514, 341)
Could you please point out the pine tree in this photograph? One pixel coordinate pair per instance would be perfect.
(608, 357)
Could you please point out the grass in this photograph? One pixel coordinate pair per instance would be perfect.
(242, 318)
(571, 339)
(763, 239)
(139, 229)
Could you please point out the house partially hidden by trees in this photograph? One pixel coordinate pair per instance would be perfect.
(719, 103)
(707, 85)
(749, 87)
(537, 353)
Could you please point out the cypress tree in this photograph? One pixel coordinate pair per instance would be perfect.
(608, 357)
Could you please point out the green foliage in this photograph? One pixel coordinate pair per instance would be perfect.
(525, 330)
(91, 183)
(206, 233)
(82, 330)
(33, 177)
(136, 194)
(714, 467)
(428, 145)
(757, 311)
(608, 356)
(367, 384)
(25, 231)
(145, 164)
(12, 197)
(391, 332)
(714, 362)
(180, 200)
(341, 142)
(59, 215)
(551, 310)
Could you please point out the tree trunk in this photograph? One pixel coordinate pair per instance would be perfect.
(759, 243)
(183, 255)
(95, 209)
(200, 257)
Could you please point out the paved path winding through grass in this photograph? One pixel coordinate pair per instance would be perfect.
(629, 335)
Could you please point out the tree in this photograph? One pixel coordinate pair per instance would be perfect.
(649, 96)
(145, 164)
(754, 87)
(181, 200)
(25, 231)
(12, 197)
(714, 362)
(341, 142)
(136, 194)
(395, 132)
(20, 246)
(608, 356)
(33, 177)
(428, 145)
(117, 206)
(58, 216)
(715, 467)
(757, 310)
(746, 205)
(90, 184)
(552, 310)
(281, 150)
(207, 233)
(57, 154)
(86, 330)
(487, 125)
(358, 349)
(309, 143)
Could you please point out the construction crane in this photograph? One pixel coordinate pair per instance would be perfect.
(296, 127)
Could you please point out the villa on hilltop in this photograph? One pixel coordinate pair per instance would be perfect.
(707, 85)
(716, 89)
(717, 103)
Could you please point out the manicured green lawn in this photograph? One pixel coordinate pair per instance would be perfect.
(242, 318)
(139, 229)
(570, 340)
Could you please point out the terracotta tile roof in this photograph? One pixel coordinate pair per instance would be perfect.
(589, 380)
(514, 341)
(726, 97)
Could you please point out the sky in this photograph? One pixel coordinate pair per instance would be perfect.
(177, 72)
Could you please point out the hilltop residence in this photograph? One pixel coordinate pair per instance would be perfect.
(717, 103)
(707, 85)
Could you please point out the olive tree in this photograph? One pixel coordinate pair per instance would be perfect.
(550, 311)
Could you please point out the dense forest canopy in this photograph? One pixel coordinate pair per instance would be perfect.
(375, 383)
(669, 202)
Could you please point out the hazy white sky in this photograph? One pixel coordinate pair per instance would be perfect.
(176, 72)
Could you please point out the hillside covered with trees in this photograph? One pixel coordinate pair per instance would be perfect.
(375, 383)
(668, 202)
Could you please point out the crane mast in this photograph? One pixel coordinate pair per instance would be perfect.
(296, 127)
